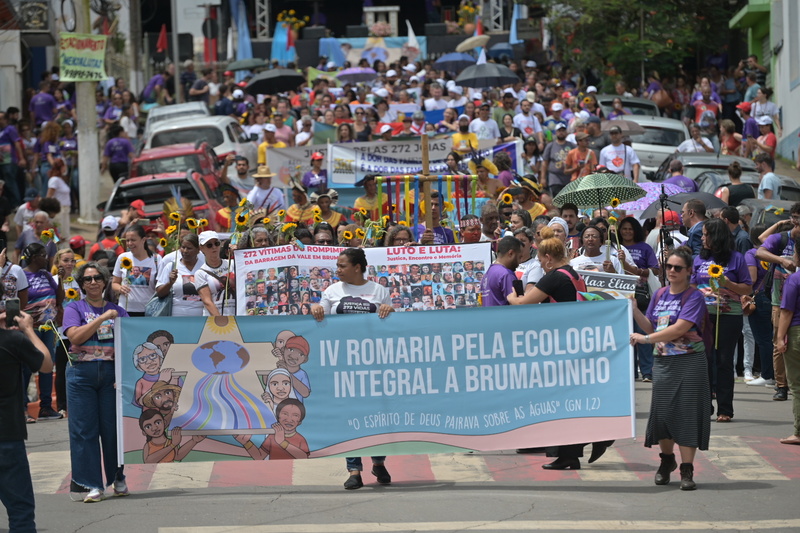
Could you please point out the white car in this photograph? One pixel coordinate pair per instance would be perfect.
(224, 134)
(660, 139)
(168, 112)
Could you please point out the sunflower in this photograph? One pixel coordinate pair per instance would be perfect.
(45, 327)
(317, 218)
(242, 218)
(72, 280)
(316, 210)
(403, 223)
(47, 234)
(447, 207)
(265, 220)
(203, 222)
(347, 235)
(363, 211)
(765, 265)
(120, 242)
(243, 201)
(360, 233)
(126, 263)
(170, 230)
(779, 211)
(281, 213)
(715, 271)
(386, 220)
(615, 203)
(175, 216)
(191, 222)
(288, 226)
(507, 198)
(71, 293)
(587, 100)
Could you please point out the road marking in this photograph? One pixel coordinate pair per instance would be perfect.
(328, 471)
(515, 525)
(459, 468)
(739, 462)
(181, 476)
(611, 468)
(48, 470)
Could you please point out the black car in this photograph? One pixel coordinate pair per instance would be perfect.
(695, 164)
(768, 212)
(712, 180)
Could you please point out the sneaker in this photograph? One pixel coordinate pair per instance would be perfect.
(47, 413)
(380, 472)
(76, 492)
(121, 488)
(748, 375)
(63, 413)
(94, 496)
(354, 482)
(758, 382)
(770, 383)
(647, 378)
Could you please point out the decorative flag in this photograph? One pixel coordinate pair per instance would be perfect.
(161, 45)
(289, 39)
(515, 16)
(411, 47)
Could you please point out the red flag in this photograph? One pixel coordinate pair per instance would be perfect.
(289, 38)
(161, 45)
(478, 26)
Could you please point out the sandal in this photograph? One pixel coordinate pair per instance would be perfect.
(29, 419)
(723, 418)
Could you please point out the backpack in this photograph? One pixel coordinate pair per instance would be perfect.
(766, 283)
(578, 283)
(705, 328)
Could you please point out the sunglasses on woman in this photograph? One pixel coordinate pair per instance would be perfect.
(676, 268)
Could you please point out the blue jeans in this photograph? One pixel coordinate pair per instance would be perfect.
(354, 463)
(644, 355)
(761, 326)
(91, 401)
(16, 487)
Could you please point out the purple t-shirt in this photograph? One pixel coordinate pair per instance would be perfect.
(117, 150)
(157, 80)
(750, 259)
(773, 244)
(9, 137)
(736, 271)
(315, 181)
(643, 255)
(667, 310)
(100, 346)
(496, 285)
(113, 113)
(683, 182)
(750, 129)
(43, 106)
(506, 177)
(791, 297)
(52, 148)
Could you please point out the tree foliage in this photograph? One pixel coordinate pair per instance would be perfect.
(617, 36)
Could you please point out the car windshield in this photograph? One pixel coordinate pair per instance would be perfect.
(212, 136)
(180, 163)
(693, 171)
(181, 114)
(637, 108)
(153, 192)
(659, 137)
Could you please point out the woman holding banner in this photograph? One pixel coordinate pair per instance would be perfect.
(680, 409)
(354, 294)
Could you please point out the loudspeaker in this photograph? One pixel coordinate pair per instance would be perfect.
(357, 31)
(432, 30)
(314, 32)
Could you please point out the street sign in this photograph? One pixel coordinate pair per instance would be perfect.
(210, 28)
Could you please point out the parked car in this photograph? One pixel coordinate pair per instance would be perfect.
(154, 190)
(199, 157)
(169, 112)
(712, 181)
(695, 164)
(768, 212)
(638, 106)
(660, 139)
(222, 133)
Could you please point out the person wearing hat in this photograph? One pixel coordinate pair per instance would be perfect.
(164, 397)
(263, 195)
(325, 200)
(302, 210)
(369, 200)
(317, 177)
(580, 160)
(78, 246)
(527, 191)
(269, 142)
(620, 158)
(464, 141)
(457, 98)
(25, 212)
(766, 142)
(485, 127)
(555, 118)
(696, 142)
(406, 131)
(215, 282)
(418, 123)
(386, 132)
(750, 130)
(553, 172)
(109, 226)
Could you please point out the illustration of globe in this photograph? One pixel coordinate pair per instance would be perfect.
(220, 357)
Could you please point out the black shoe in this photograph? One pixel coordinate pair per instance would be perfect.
(782, 395)
(47, 413)
(668, 465)
(380, 472)
(598, 449)
(687, 473)
(353, 482)
(564, 463)
(531, 450)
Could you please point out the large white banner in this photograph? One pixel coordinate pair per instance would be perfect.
(285, 280)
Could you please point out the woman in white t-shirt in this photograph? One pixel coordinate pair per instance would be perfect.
(58, 188)
(180, 278)
(593, 258)
(354, 294)
(213, 281)
(137, 284)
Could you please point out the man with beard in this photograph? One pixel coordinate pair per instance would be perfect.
(528, 124)
(553, 161)
(164, 397)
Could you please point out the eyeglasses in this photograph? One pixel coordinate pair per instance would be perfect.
(212, 244)
(150, 357)
(676, 268)
(98, 278)
(360, 113)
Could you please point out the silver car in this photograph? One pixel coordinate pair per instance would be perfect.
(660, 139)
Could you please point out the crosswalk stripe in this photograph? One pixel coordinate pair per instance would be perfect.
(460, 468)
(490, 525)
(611, 467)
(328, 471)
(48, 470)
(739, 462)
(181, 476)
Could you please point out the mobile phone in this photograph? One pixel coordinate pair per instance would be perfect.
(518, 288)
(12, 311)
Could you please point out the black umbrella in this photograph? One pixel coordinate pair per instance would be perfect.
(487, 75)
(675, 203)
(277, 80)
(251, 63)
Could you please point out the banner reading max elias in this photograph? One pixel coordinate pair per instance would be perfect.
(207, 389)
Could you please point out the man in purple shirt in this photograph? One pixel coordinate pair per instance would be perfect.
(677, 178)
(43, 105)
(12, 157)
(155, 87)
(750, 130)
(117, 153)
(498, 282)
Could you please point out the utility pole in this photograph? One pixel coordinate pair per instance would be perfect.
(88, 150)
(176, 59)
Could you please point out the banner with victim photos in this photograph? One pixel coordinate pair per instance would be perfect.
(246, 388)
(285, 280)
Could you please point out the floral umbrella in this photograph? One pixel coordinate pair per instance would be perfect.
(653, 191)
(597, 190)
(357, 75)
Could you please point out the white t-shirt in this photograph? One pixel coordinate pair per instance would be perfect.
(214, 279)
(302, 136)
(484, 129)
(344, 298)
(619, 159)
(528, 125)
(130, 127)
(258, 129)
(62, 191)
(24, 215)
(185, 299)
(271, 199)
(431, 104)
(584, 262)
(457, 102)
(691, 145)
(142, 281)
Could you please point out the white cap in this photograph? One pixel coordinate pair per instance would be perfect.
(530, 96)
(530, 64)
(591, 89)
(270, 127)
(584, 115)
(413, 78)
(456, 89)
(764, 121)
(441, 81)
(382, 92)
(54, 77)
(561, 126)
(391, 73)
(464, 116)
(110, 223)
(238, 93)
(330, 64)
(510, 91)
(206, 236)
(411, 67)
(385, 128)
(557, 107)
